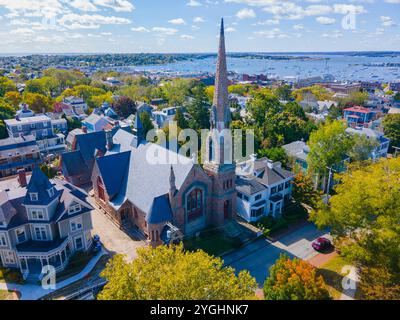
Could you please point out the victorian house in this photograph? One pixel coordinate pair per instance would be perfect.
(167, 196)
(42, 222)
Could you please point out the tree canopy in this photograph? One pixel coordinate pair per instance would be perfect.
(170, 273)
(294, 279)
(391, 126)
(364, 217)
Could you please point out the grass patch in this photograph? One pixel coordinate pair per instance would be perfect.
(11, 276)
(75, 265)
(214, 242)
(8, 295)
(333, 276)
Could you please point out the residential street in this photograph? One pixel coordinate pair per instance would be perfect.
(258, 256)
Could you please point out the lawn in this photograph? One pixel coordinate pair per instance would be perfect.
(217, 242)
(333, 276)
(11, 276)
(77, 263)
(8, 295)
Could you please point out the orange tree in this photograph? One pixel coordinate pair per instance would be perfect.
(294, 280)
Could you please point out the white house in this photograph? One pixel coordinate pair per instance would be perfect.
(263, 188)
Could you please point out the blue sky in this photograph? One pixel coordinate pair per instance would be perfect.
(57, 26)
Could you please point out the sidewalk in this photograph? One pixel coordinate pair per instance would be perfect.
(35, 292)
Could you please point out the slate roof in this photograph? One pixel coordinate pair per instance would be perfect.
(248, 185)
(39, 184)
(136, 176)
(73, 164)
(273, 176)
(297, 149)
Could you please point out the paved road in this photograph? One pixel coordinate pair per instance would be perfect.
(258, 256)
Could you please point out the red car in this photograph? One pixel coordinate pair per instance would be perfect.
(322, 244)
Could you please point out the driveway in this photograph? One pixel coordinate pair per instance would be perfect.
(260, 255)
(113, 239)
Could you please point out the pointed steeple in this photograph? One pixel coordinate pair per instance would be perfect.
(138, 131)
(172, 183)
(220, 115)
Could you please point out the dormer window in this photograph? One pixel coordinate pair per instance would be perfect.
(34, 196)
(74, 208)
(51, 192)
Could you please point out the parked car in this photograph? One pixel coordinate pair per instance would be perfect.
(322, 244)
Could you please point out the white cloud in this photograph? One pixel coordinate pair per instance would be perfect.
(140, 29)
(165, 31)
(117, 5)
(198, 20)
(230, 29)
(24, 32)
(272, 34)
(177, 21)
(387, 21)
(246, 14)
(194, 3)
(325, 20)
(187, 37)
(85, 21)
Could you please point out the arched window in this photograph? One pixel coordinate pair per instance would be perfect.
(211, 150)
(100, 189)
(194, 205)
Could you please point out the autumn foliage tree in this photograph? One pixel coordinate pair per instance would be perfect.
(364, 217)
(170, 273)
(124, 107)
(294, 279)
(304, 190)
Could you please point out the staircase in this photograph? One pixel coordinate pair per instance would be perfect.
(233, 229)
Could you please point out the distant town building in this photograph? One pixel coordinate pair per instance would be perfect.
(18, 153)
(164, 116)
(95, 123)
(359, 115)
(41, 128)
(382, 150)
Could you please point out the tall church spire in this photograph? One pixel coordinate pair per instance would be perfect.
(220, 115)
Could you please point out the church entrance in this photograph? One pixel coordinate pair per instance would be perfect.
(226, 209)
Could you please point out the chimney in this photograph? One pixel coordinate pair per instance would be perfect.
(22, 178)
(109, 140)
(84, 129)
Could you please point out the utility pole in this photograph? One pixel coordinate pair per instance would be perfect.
(329, 183)
(396, 149)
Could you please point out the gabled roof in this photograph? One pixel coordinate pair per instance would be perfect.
(114, 171)
(160, 210)
(88, 143)
(73, 164)
(144, 178)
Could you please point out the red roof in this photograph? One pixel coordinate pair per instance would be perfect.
(358, 109)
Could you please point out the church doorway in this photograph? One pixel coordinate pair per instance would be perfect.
(226, 209)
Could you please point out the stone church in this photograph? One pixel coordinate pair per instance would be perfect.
(167, 201)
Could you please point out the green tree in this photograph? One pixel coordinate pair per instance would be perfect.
(284, 92)
(397, 96)
(170, 273)
(146, 122)
(37, 102)
(363, 147)
(180, 119)
(14, 98)
(275, 154)
(6, 85)
(328, 146)
(176, 91)
(294, 279)
(364, 217)
(304, 191)
(199, 116)
(6, 112)
(391, 127)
